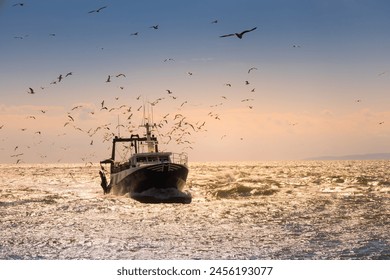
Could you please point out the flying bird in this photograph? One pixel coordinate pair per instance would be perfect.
(18, 4)
(252, 68)
(154, 26)
(76, 107)
(97, 10)
(108, 79)
(31, 91)
(239, 35)
(134, 34)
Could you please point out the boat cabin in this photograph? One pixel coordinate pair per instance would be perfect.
(149, 158)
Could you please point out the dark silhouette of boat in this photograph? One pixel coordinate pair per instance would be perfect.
(147, 176)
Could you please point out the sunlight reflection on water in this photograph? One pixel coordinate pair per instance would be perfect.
(246, 210)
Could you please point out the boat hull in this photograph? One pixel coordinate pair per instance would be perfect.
(155, 183)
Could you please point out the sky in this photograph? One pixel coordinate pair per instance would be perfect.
(319, 83)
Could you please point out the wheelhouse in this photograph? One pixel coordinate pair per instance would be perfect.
(150, 158)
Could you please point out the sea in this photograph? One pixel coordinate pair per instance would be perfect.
(277, 210)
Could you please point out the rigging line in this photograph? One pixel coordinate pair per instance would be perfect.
(152, 120)
(119, 130)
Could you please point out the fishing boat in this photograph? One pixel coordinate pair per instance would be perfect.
(148, 175)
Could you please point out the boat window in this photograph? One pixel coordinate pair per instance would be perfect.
(141, 159)
(152, 158)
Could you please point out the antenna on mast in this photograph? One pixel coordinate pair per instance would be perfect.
(152, 117)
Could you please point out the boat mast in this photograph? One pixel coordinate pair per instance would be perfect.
(150, 139)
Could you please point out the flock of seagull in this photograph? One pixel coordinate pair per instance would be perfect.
(173, 127)
(177, 127)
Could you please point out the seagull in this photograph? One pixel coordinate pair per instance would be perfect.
(31, 91)
(381, 123)
(17, 155)
(215, 21)
(252, 68)
(108, 79)
(154, 26)
(76, 107)
(97, 10)
(123, 75)
(134, 34)
(18, 4)
(70, 73)
(239, 35)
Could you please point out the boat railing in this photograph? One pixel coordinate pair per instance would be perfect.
(181, 158)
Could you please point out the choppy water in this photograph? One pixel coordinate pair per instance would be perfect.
(261, 210)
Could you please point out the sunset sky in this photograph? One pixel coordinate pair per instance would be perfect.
(321, 83)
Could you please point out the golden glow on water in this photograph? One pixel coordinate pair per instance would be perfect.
(243, 210)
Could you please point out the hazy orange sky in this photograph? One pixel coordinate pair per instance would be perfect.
(320, 87)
